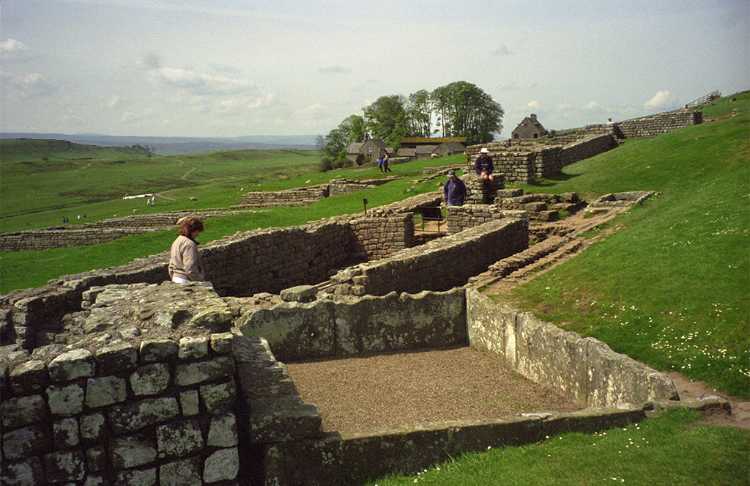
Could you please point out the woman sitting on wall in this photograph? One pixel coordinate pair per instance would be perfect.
(184, 260)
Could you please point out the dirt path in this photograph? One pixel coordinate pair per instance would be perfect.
(186, 174)
(418, 388)
(688, 388)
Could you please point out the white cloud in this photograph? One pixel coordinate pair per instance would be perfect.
(534, 104)
(594, 106)
(662, 99)
(29, 85)
(335, 69)
(235, 106)
(12, 49)
(564, 106)
(136, 116)
(502, 50)
(512, 86)
(113, 101)
(201, 83)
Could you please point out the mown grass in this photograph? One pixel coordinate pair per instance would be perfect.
(671, 286)
(24, 269)
(670, 449)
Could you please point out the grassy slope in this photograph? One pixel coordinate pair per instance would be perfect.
(671, 449)
(671, 287)
(24, 269)
(43, 181)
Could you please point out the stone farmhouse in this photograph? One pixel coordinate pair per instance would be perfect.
(366, 152)
(529, 128)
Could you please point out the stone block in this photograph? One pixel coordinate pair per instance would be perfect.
(65, 399)
(95, 480)
(179, 439)
(16, 412)
(221, 343)
(29, 377)
(96, 459)
(222, 465)
(193, 373)
(116, 358)
(71, 365)
(136, 415)
(190, 403)
(223, 431)
(157, 350)
(65, 433)
(24, 442)
(216, 319)
(64, 466)
(136, 477)
(25, 473)
(219, 397)
(105, 390)
(283, 419)
(180, 473)
(129, 452)
(92, 427)
(150, 379)
(300, 293)
(193, 348)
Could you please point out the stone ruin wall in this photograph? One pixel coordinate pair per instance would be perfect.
(437, 265)
(46, 239)
(154, 412)
(292, 197)
(266, 260)
(586, 148)
(650, 126)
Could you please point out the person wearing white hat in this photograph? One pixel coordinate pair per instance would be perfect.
(483, 166)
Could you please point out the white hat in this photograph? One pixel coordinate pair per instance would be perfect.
(484, 150)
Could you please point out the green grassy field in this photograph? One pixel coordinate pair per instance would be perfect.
(667, 450)
(43, 181)
(670, 288)
(24, 269)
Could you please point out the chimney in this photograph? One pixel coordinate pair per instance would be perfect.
(533, 116)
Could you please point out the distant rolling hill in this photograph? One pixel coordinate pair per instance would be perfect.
(180, 145)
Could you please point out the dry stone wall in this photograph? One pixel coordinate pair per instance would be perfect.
(301, 196)
(157, 412)
(378, 237)
(586, 148)
(437, 265)
(584, 368)
(61, 238)
(650, 126)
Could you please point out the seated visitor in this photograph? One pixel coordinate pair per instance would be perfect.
(483, 166)
(454, 190)
(184, 260)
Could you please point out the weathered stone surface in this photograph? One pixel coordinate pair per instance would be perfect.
(16, 412)
(157, 350)
(136, 477)
(190, 403)
(222, 465)
(221, 343)
(215, 319)
(300, 293)
(25, 473)
(136, 415)
(65, 399)
(116, 358)
(218, 398)
(132, 452)
(150, 379)
(179, 439)
(105, 390)
(193, 348)
(64, 466)
(96, 459)
(223, 431)
(24, 442)
(283, 419)
(192, 373)
(94, 480)
(29, 377)
(65, 433)
(71, 365)
(92, 427)
(180, 473)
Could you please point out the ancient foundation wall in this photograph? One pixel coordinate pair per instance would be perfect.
(51, 238)
(154, 412)
(586, 148)
(292, 197)
(370, 324)
(649, 126)
(437, 265)
(377, 237)
(460, 218)
(584, 368)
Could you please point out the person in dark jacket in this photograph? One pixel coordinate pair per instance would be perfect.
(454, 190)
(483, 166)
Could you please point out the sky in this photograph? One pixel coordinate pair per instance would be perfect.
(294, 67)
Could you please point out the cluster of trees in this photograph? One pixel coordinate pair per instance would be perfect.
(458, 109)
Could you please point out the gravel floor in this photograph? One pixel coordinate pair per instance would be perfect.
(406, 389)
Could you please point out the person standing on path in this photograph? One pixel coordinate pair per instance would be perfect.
(386, 163)
(184, 259)
(454, 190)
